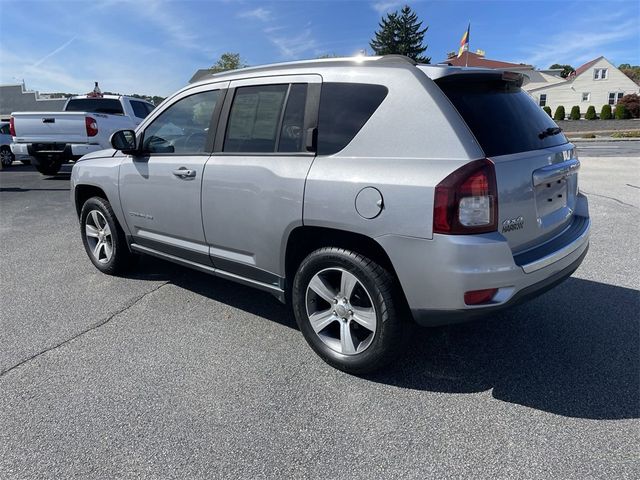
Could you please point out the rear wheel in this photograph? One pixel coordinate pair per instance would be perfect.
(6, 156)
(103, 239)
(47, 166)
(347, 309)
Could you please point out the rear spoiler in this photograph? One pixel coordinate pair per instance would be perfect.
(443, 73)
(516, 79)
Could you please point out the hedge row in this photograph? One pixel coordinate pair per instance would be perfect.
(620, 112)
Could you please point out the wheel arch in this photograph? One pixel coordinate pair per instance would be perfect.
(84, 192)
(305, 239)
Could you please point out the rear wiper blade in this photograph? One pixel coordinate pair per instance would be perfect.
(549, 132)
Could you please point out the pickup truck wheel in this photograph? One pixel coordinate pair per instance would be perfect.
(346, 307)
(6, 156)
(47, 166)
(103, 239)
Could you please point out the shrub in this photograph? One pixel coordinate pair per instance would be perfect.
(547, 109)
(589, 135)
(575, 113)
(591, 113)
(605, 113)
(631, 104)
(621, 112)
(559, 115)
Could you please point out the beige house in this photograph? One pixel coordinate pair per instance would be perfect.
(596, 83)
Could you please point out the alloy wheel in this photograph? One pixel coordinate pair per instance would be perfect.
(98, 234)
(340, 311)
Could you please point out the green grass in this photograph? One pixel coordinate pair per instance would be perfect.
(631, 134)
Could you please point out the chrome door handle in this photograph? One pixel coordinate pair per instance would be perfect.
(183, 172)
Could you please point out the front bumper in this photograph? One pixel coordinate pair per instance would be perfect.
(435, 274)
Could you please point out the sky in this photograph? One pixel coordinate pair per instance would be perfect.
(153, 47)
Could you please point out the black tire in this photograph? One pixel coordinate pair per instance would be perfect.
(121, 258)
(6, 156)
(382, 293)
(47, 166)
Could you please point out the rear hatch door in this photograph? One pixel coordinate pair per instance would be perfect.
(536, 166)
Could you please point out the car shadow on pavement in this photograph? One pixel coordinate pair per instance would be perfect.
(574, 351)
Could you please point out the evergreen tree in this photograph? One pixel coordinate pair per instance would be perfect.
(402, 34)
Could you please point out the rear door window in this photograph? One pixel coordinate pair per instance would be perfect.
(254, 119)
(502, 116)
(140, 109)
(344, 109)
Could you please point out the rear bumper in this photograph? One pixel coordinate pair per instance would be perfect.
(435, 274)
(65, 151)
(429, 318)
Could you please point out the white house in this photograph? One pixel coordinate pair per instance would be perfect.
(596, 83)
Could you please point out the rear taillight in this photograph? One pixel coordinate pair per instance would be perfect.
(12, 127)
(467, 200)
(92, 126)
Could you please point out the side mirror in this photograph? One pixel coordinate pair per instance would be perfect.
(125, 141)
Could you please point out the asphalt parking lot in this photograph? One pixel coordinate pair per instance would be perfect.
(170, 373)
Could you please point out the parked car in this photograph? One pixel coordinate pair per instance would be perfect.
(84, 126)
(6, 156)
(364, 192)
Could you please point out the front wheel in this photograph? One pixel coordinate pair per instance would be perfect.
(346, 306)
(103, 239)
(6, 156)
(47, 166)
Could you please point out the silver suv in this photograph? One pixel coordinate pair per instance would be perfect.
(364, 191)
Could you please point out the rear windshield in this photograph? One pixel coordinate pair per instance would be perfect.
(109, 106)
(503, 117)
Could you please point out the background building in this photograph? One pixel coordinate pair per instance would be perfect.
(15, 98)
(596, 83)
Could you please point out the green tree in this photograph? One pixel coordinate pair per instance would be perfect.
(575, 113)
(591, 113)
(401, 33)
(547, 109)
(631, 71)
(621, 112)
(560, 113)
(605, 113)
(566, 69)
(228, 61)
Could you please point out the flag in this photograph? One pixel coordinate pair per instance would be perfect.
(464, 42)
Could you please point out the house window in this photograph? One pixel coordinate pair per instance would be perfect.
(543, 99)
(586, 96)
(614, 97)
(600, 73)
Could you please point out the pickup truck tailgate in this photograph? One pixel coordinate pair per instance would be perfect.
(51, 127)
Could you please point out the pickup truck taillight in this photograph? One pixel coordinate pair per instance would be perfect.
(92, 126)
(12, 127)
(467, 200)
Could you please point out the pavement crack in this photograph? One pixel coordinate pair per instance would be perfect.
(609, 198)
(95, 326)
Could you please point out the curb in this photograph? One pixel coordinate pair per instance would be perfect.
(602, 139)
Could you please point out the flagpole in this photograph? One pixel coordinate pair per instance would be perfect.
(466, 61)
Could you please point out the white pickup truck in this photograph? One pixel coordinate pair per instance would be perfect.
(85, 125)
